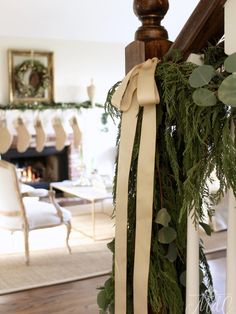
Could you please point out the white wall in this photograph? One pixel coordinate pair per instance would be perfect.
(75, 63)
(90, 20)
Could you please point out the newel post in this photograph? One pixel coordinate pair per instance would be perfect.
(151, 38)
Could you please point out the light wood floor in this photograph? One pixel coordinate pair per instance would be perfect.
(80, 297)
(77, 297)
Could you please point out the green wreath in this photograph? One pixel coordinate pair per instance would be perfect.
(31, 79)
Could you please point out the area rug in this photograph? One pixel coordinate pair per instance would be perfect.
(53, 266)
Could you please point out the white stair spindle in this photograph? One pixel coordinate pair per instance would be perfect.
(230, 300)
(192, 278)
(230, 25)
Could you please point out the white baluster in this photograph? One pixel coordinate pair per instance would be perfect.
(230, 25)
(230, 300)
(192, 279)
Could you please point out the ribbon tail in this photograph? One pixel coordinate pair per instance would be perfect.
(128, 130)
(144, 209)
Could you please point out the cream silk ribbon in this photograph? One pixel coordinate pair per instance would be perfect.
(137, 89)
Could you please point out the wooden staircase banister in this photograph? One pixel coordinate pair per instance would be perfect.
(205, 25)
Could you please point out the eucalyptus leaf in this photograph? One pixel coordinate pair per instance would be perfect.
(102, 300)
(227, 91)
(230, 63)
(163, 218)
(201, 76)
(166, 235)
(109, 287)
(206, 227)
(204, 97)
(172, 252)
(182, 278)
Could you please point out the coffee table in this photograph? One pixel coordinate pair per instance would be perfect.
(88, 193)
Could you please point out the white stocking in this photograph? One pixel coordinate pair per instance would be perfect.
(23, 135)
(77, 136)
(61, 136)
(40, 135)
(5, 137)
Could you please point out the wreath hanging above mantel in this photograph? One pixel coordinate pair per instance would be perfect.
(31, 78)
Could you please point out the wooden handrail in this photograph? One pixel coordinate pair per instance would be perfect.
(205, 25)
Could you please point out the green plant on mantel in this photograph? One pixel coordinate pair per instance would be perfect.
(46, 106)
(194, 138)
(57, 105)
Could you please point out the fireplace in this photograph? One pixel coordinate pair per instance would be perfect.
(38, 169)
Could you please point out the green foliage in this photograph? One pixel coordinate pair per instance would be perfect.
(163, 218)
(56, 105)
(214, 55)
(105, 297)
(45, 106)
(217, 82)
(204, 97)
(227, 91)
(206, 228)
(172, 252)
(102, 300)
(166, 235)
(182, 278)
(206, 285)
(109, 108)
(192, 141)
(201, 76)
(230, 63)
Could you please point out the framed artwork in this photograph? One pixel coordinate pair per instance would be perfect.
(30, 76)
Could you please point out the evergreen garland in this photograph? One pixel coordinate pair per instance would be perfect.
(192, 141)
(50, 105)
(56, 105)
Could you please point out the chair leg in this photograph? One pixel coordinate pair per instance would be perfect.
(68, 226)
(26, 238)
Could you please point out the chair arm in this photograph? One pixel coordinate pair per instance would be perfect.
(28, 190)
(36, 193)
(51, 195)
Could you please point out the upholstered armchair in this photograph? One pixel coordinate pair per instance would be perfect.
(18, 212)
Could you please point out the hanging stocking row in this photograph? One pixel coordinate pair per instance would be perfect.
(24, 135)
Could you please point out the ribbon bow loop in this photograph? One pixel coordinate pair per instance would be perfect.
(141, 80)
(147, 93)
